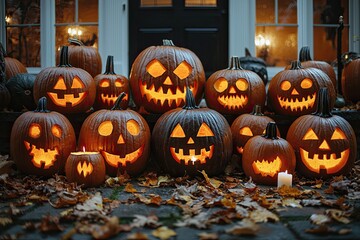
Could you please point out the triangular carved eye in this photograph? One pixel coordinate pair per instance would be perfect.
(338, 134)
(310, 135)
(155, 68)
(183, 70)
(178, 132)
(60, 84)
(246, 131)
(77, 83)
(205, 131)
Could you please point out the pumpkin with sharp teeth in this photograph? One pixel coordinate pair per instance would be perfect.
(325, 144)
(293, 91)
(41, 141)
(266, 155)
(121, 136)
(109, 85)
(234, 90)
(160, 74)
(191, 139)
(69, 89)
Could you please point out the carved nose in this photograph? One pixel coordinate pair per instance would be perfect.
(120, 140)
(168, 81)
(294, 92)
(232, 90)
(324, 146)
(191, 141)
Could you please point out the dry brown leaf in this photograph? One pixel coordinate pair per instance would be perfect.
(137, 236)
(291, 202)
(109, 229)
(319, 219)
(338, 215)
(151, 221)
(287, 191)
(310, 202)
(5, 221)
(263, 215)
(163, 233)
(211, 181)
(245, 227)
(130, 188)
(208, 236)
(50, 224)
(200, 221)
(228, 202)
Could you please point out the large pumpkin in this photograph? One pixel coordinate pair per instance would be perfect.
(12, 65)
(325, 144)
(266, 155)
(109, 85)
(350, 80)
(69, 89)
(21, 90)
(293, 92)
(234, 90)
(41, 141)
(160, 74)
(191, 139)
(121, 136)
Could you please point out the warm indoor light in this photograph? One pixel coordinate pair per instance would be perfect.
(261, 40)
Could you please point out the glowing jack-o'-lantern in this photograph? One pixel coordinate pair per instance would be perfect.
(87, 168)
(234, 90)
(69, 89)
(160, 74)
(190, 139)
(293, 92)
(266, 155)
(109, 85)
(325, 144)
(41, 141)
(121, 136)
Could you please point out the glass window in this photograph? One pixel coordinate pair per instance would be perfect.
(200, 3)
(156, 3)
(23, 31)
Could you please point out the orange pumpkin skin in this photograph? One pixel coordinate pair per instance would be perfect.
(350, 83)
(293, 92)
(324, 144)
(69, 89)
(159, 76)
(85, 168)
(12, 65)
(41, 132)
(267, 155)
(234, 90)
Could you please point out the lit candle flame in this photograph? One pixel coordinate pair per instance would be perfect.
(193, 160)
(83, 148)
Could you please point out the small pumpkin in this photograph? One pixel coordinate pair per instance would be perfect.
(191, 139)
(266, 155)
(86, 168)
(159, 76)
(109, 85)
(69, 89)
(41, 141)
(325, 144)
(234, 90)
(21, 90)
(121, 136)
(350, 80)
(255, 64)
(12, 65)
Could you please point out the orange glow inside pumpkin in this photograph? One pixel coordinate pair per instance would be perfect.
(232, 100)
(267, 168)
(84, 168)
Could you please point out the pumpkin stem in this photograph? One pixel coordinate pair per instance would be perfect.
(167, 42)
(257, 111)
(64, 57)
(110, 65)
(118, 102)
(295, 65)
(75, 41)
(270, 132)
(235, 63)
(304, 54)
(189, 100)
(41, 106)
(323, 106)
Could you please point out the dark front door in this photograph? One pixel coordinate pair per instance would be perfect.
(199, 25)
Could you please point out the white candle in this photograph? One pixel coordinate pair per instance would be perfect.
(284, 178)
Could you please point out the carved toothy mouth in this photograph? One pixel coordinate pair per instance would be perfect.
(163, 96)
(85, 168)
(328, 162)
(116, 160)
(295, 104)
(233, 102)
(240, 150)
(266, 168)
(67, 99)
(179, 155)
(41, 158)
(109, 99)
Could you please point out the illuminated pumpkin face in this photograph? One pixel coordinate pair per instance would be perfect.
(41, 141)
(234, 90)
(159, 76)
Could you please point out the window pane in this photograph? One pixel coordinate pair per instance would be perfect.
(328, 12)
(22, 12)
(23, 43)
(265, 11)
(287, 11)
(89, 35)
(276, 45)
(200, 3)
(156, 3)
(65, 11)
(88, 10)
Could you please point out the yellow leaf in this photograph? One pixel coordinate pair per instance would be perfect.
(130, 188)
(163, 233)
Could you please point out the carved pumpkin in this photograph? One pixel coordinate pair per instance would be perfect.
(41, 141)
(248, 125)
(325, 144)
(12, 65)
(69, 89)
(21, 90)
(160, 74)
(234, 90)
(87, 168)
(267, 155)
(190, 139)
(109, 85)
(350, 80)
(293, 92)
(121, 136)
